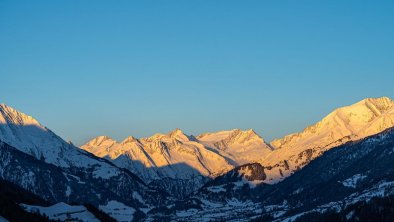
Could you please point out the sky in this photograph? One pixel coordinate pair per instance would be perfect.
(120, 68)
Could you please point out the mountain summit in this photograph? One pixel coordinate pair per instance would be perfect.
(178, 134)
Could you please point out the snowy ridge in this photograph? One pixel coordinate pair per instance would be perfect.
(359, 120)
(150, 157)
(362, 119)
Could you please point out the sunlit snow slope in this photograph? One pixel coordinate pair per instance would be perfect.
(350, 123)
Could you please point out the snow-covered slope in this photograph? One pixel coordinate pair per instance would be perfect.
(29, 136)
(161, 158)
(350, 123)
(239, 146)
(118, 210)
(63, 212)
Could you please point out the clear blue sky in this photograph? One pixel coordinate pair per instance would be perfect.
(119, 68)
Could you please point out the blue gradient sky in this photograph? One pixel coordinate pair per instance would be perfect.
(118, 68)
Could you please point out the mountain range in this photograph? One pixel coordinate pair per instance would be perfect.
(181, 159)
(225, 175)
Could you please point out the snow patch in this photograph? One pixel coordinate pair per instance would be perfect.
(350, 215)
(118, 210)
(252, 184)
(216, 189)
(68, 191)
(62, 211)
(352, 181)
(186, 213)
(138, 197)
(105, 172)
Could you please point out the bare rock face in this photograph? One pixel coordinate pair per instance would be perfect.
(237, 183)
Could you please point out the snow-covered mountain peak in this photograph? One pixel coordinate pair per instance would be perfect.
(130, 139)
(365, 110)
(155, 137)
(176, 131)
(241, 146)
(231, 136)
(9, 115)
(215, 136)
(382, 104)
(179, 134)
(29, 136)
(176, 134)
(101, 140)
(243, 137)
(364, 118)
(100, 146)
